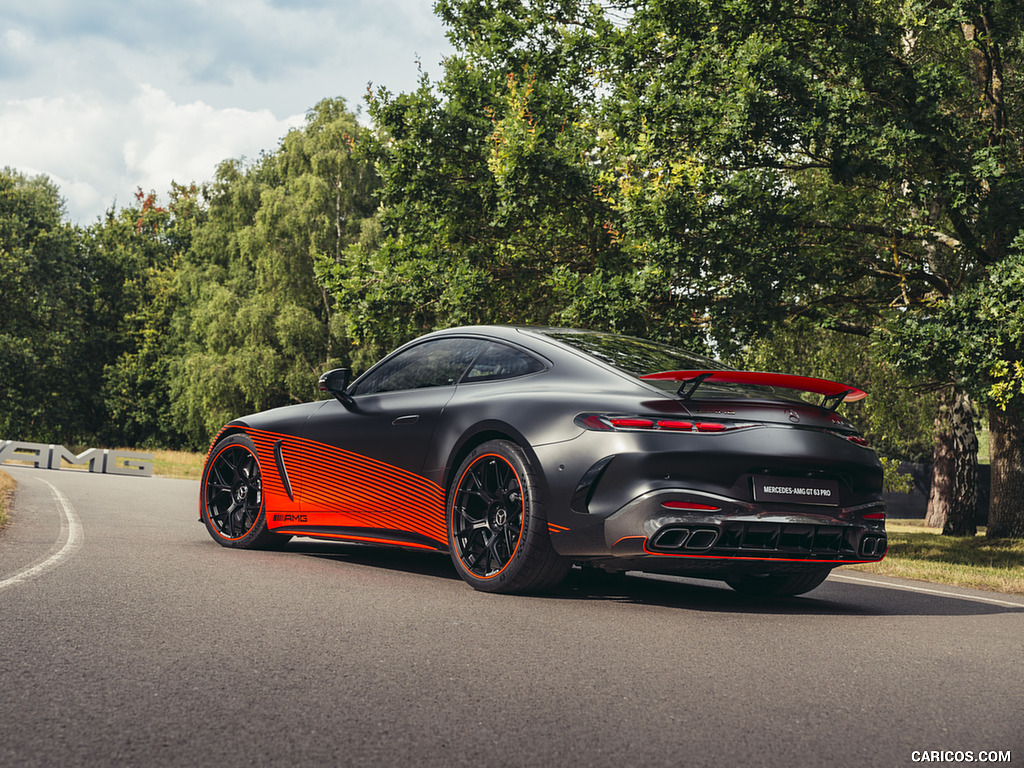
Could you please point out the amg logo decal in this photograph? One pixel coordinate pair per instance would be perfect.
(289, 518)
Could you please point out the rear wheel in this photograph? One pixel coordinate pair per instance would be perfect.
(777, 584)
(497, 531)
(232, 496)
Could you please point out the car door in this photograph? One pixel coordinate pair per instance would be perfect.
(372, 477)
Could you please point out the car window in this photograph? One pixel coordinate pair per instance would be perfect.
(500, 361)
(639, 356)
(436, 363)
(634, 356)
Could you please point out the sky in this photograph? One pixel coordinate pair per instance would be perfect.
(107, 96)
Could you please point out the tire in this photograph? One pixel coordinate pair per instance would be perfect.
(497, 530)
(232, 496)
(777, 584)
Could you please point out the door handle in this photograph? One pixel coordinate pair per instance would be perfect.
(403, 420)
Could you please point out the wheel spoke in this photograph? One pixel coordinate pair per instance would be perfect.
(473, 525)
(229, 513)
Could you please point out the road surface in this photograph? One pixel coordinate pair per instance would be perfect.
(129, 638)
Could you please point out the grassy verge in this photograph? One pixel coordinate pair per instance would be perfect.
(6, 489)
(922, 553)
(182, 465)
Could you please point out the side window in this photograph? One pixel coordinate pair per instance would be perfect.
(498, 361)
(437, 363)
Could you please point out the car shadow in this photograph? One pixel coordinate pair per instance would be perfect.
(426, 563)
(833, 598)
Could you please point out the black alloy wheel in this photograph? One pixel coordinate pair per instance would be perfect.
(497, 533)
(489, 510)
(233, 495)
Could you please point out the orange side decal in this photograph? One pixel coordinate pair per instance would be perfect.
(355, 491)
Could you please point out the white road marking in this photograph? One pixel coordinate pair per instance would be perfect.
(71, 527)
(925, 590)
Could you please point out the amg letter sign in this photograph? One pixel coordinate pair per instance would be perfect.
(48, 456)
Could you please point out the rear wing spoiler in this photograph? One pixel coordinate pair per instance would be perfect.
(833, 393)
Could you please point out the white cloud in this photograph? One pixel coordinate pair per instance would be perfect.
(97, 150)
(17, 41)
(104, 98)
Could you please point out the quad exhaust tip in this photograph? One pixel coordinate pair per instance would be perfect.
(680, 537)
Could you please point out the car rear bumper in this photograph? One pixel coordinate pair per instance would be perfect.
(694, 529)
(701, 505)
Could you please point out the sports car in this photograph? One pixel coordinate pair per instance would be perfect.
(521, 451)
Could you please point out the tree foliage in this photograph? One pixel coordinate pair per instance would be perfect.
(256, 329)
(491, 207)
(873, 153)
(58, 321)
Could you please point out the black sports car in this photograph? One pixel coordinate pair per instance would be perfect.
(521, 451)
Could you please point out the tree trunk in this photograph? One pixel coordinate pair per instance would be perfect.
(953, 501)
(1006, 444)
(942, 468)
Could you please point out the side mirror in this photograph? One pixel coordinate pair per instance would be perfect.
(336, 383)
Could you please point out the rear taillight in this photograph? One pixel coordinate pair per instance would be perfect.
(620, 423)
(683, 426)
(856, 439)
(598, 421)
(711, 426)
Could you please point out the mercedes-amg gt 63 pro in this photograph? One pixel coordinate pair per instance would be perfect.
(521, 451)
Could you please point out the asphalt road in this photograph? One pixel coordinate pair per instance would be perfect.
(129, 638)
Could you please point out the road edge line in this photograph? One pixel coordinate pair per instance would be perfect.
(71, 526)
(924, 590)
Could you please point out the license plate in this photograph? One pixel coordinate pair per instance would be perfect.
(796, 490)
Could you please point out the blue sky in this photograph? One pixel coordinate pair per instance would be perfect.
(104, 96)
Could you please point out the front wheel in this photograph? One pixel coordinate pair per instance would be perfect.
(777, 584)
(232, 496)
(497, 531)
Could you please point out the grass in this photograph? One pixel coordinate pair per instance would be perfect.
(6, 489)
(922, 553)
(182, 465)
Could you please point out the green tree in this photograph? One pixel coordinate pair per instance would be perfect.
(148, 241)
(848, 162)
(860, 161)
(491, 203)
(974, 340)
(254, 327)
(56, 312)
